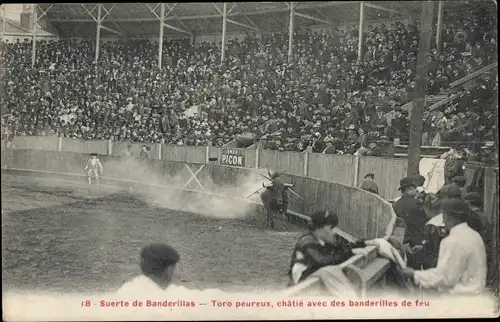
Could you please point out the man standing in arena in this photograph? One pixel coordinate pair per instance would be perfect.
(93, 168)
(145, 152)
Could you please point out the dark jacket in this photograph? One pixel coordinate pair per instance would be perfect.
(408, 208)
(427, 256)
(370, 185)
(314, 256)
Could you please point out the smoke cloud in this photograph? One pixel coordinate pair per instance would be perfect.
(226, 201)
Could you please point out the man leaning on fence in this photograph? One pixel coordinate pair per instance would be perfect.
(369, 184)
(461, 268)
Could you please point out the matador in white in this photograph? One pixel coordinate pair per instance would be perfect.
(93, 168)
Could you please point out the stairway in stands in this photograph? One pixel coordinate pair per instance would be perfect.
(433, 102)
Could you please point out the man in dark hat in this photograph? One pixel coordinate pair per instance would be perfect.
(408, 208)
(369, 184)
(419, 181)
(320, 247)
(93, 168)
(449, 191)
(461, 268)
(459, 181)
(157, 263)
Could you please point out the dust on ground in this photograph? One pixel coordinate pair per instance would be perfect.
(69, 237)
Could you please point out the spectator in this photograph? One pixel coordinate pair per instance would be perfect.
(461, 267)
(128, 152)
(449, 191)
(408, 208)
(426, 255)
(158, 263)
(459, 181)
(145, 152)
(124, 96)
(369, 184)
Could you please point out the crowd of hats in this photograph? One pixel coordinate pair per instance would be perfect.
(326, 94)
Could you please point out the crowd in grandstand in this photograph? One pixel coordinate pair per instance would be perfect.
(325, 98)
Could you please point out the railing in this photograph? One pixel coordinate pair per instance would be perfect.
(461, 82)
(473, 75)
(344, 169)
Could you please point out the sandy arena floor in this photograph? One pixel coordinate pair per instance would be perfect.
(64, 236)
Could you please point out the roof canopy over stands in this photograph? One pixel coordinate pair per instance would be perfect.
(142, 19)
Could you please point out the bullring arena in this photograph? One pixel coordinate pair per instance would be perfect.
(61, 235)
(133, 124)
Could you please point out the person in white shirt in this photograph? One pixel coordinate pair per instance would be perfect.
(93, 168)
(158, 262)
(461, 268)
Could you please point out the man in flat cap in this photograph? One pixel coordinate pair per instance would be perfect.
(157, 263)
(461, 268)
(449, 191)
(369, 184)
(408, 208)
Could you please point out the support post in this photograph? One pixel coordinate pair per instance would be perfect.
(207, 154)
(439, 27)
(159, 145)
(356, 171)
(160, 40)
(257, 155)
(223, 42)
(110, 147)
(306, 163)
(425, 31)
(59, 144)
(98, 32)
(361, 26)
(33, 36)
(290, 32)
(3, 23)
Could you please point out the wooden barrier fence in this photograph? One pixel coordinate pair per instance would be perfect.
(345, 169)
(361, 214)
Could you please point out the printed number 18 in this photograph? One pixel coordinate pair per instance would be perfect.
(86, 303)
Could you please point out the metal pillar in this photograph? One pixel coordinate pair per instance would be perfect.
(361, 40)
(439, 28)
(34, 19)
(425, 31)
(223, 42)
(160, 41)
(290, 32)
(98, 32)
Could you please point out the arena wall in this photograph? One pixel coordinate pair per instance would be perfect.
(343, 169)
(361, 214)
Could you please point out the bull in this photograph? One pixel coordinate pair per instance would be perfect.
(275, 197)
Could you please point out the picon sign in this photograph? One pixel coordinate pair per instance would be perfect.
(233, 157)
